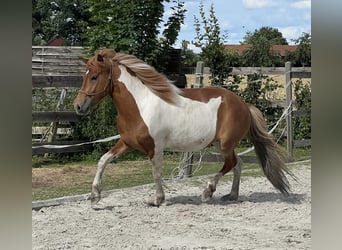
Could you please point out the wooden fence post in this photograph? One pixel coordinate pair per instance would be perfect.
(199, 74)
(54, 125)
(289, 116)
(189, 157)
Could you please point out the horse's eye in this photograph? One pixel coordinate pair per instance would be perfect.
(93, 78)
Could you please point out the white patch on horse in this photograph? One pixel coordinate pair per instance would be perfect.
(188, 126)
(87, 72)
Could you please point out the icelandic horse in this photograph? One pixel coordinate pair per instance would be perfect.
(154, 116)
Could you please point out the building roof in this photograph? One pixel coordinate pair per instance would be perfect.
(281, 49)
(58, 41)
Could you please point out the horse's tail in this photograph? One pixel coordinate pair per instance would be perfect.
(270, 155)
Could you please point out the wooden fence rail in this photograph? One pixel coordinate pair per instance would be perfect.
(55, 116)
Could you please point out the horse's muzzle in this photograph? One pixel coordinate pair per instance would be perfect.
(82, 107)
(79, 110)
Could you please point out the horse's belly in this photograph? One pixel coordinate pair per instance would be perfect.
(188, 144)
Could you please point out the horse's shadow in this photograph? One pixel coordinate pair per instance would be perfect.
(257, 197)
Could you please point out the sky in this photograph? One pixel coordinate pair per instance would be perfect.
(290, 17)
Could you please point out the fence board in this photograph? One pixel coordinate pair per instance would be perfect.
(297, 72)
(55, 116)
(302, 143)
(301, 74)
(208, 157)
(44, 81)
(45, 129)
(301, 113)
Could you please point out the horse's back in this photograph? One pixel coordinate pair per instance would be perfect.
(207, 93)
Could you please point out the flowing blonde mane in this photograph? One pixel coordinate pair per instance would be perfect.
(156, 82)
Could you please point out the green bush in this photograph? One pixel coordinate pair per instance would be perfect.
(302, 125)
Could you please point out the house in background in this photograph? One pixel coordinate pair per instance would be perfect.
(58, 41)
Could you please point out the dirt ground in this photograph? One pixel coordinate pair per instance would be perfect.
(261, 219)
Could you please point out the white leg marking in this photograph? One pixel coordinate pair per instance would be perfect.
(157, 162)
(96, 187)
(211, 187)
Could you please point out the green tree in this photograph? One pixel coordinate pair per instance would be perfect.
(260, 47)
(169, 35)
(303, 51)
(273, 35)
(209, 39)
(190, 58)
(259, 53)
(133, 27)
(59, 18)
(173, 24)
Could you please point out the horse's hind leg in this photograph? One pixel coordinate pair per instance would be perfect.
(231, 161)
(211, 187)
(234, 193)
(119, 148)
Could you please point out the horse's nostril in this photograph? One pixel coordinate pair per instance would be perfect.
(78, 109)
(81, 109)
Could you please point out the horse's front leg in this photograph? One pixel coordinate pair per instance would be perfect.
(119, 148)
(157, 162)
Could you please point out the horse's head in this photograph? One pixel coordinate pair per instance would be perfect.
(97, 81)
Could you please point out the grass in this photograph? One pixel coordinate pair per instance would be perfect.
(53, 178)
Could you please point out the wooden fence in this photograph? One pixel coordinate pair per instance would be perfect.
(56, 67)
(60, 67)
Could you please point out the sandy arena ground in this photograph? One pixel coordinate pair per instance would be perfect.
(261, 219)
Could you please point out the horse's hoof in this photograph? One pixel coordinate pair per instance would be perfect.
(156, 202)
(94, 199)
(206, 195)
(153, 204)
(229, 197)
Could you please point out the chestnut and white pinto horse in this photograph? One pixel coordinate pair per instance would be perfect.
(154, 115)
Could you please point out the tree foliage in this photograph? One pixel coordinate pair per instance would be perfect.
(133, 27)
(272, 35)
(302, 125)
(189, 57)
(59, 18)
(302, 55)
(303, 52)
(260, 43)
(259, 53)
(209, 39)
(124, 25)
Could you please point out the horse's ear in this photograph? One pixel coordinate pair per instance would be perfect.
(85, 60)
(99, 58)
(107, 53)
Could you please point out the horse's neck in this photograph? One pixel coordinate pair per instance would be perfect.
(142, 95)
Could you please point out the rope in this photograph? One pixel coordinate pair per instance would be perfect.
(111, 138)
